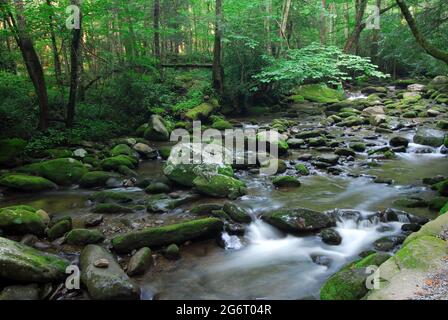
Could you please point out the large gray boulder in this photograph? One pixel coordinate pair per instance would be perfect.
(19, 262)
(298, 220)
(429, 137)
(103, 276)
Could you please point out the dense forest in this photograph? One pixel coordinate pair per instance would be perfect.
(91, 92)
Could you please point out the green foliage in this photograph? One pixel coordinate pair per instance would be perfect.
(18, 111)
(315, 63)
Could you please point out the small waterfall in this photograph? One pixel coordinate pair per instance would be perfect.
(355, 96)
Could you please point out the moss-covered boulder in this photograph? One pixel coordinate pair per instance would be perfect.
(302, 169)
(145, 151)
(22, 220)
(100, 179)
(286, 182)
(59, 229)
(331, 237)
(157, 129)
(442, 188)
(25, 183)
(166, 235)
(220, 186)
(298, 220)
(184, 172)
(201, 112)
(422, 252)
(444, 209)
(10, 149)
(236, 213)
(140, 262)
(157, 188)
(429, 137)
(350, 282)
(165, 152)
(115, 163)
(172, 252)
(272, 140)
(19, 262)
(121, 149)
(82, 237)
(222, 124)
(107, 281)
(319, 93)
(64, 172)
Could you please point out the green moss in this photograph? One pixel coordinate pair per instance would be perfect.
(65, 171)
(347, 284)
(59, 229)
(222, 125)
(358, 146)
(121, 149)
(26, 183)
(236, 213)
(59, 153)
(184, 174)
(21, 221)
(437, 203)
(374, 259)
(286, 182)
(22, 263)
(302, 169)
(442, 188)
(350, 282)
(84, 237)
(21, 207)
(202, 111)
(297, 98)
(220, 186)
(157, 188)
(420, 252)
(10, 149)
(172, 252)
(114, 163)
(319, 93)
(176, 233)
(165, 152)
(444, 209)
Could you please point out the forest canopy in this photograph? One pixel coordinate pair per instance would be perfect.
(131, 59)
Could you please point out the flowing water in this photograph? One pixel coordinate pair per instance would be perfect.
(265, 263)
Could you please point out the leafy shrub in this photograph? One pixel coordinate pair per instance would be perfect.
(315, 63)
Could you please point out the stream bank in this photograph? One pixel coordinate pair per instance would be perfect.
(372, 167)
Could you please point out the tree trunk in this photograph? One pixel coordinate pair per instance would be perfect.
(30, 57)
(374, 48)
(267, 26)
(323, 23)
(285, 18)
(54, 48)
(218, 70)
(75, 53)
(157, 52)
(428, 47)
(353, 40)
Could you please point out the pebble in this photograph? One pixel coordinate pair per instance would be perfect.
(101, 263)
